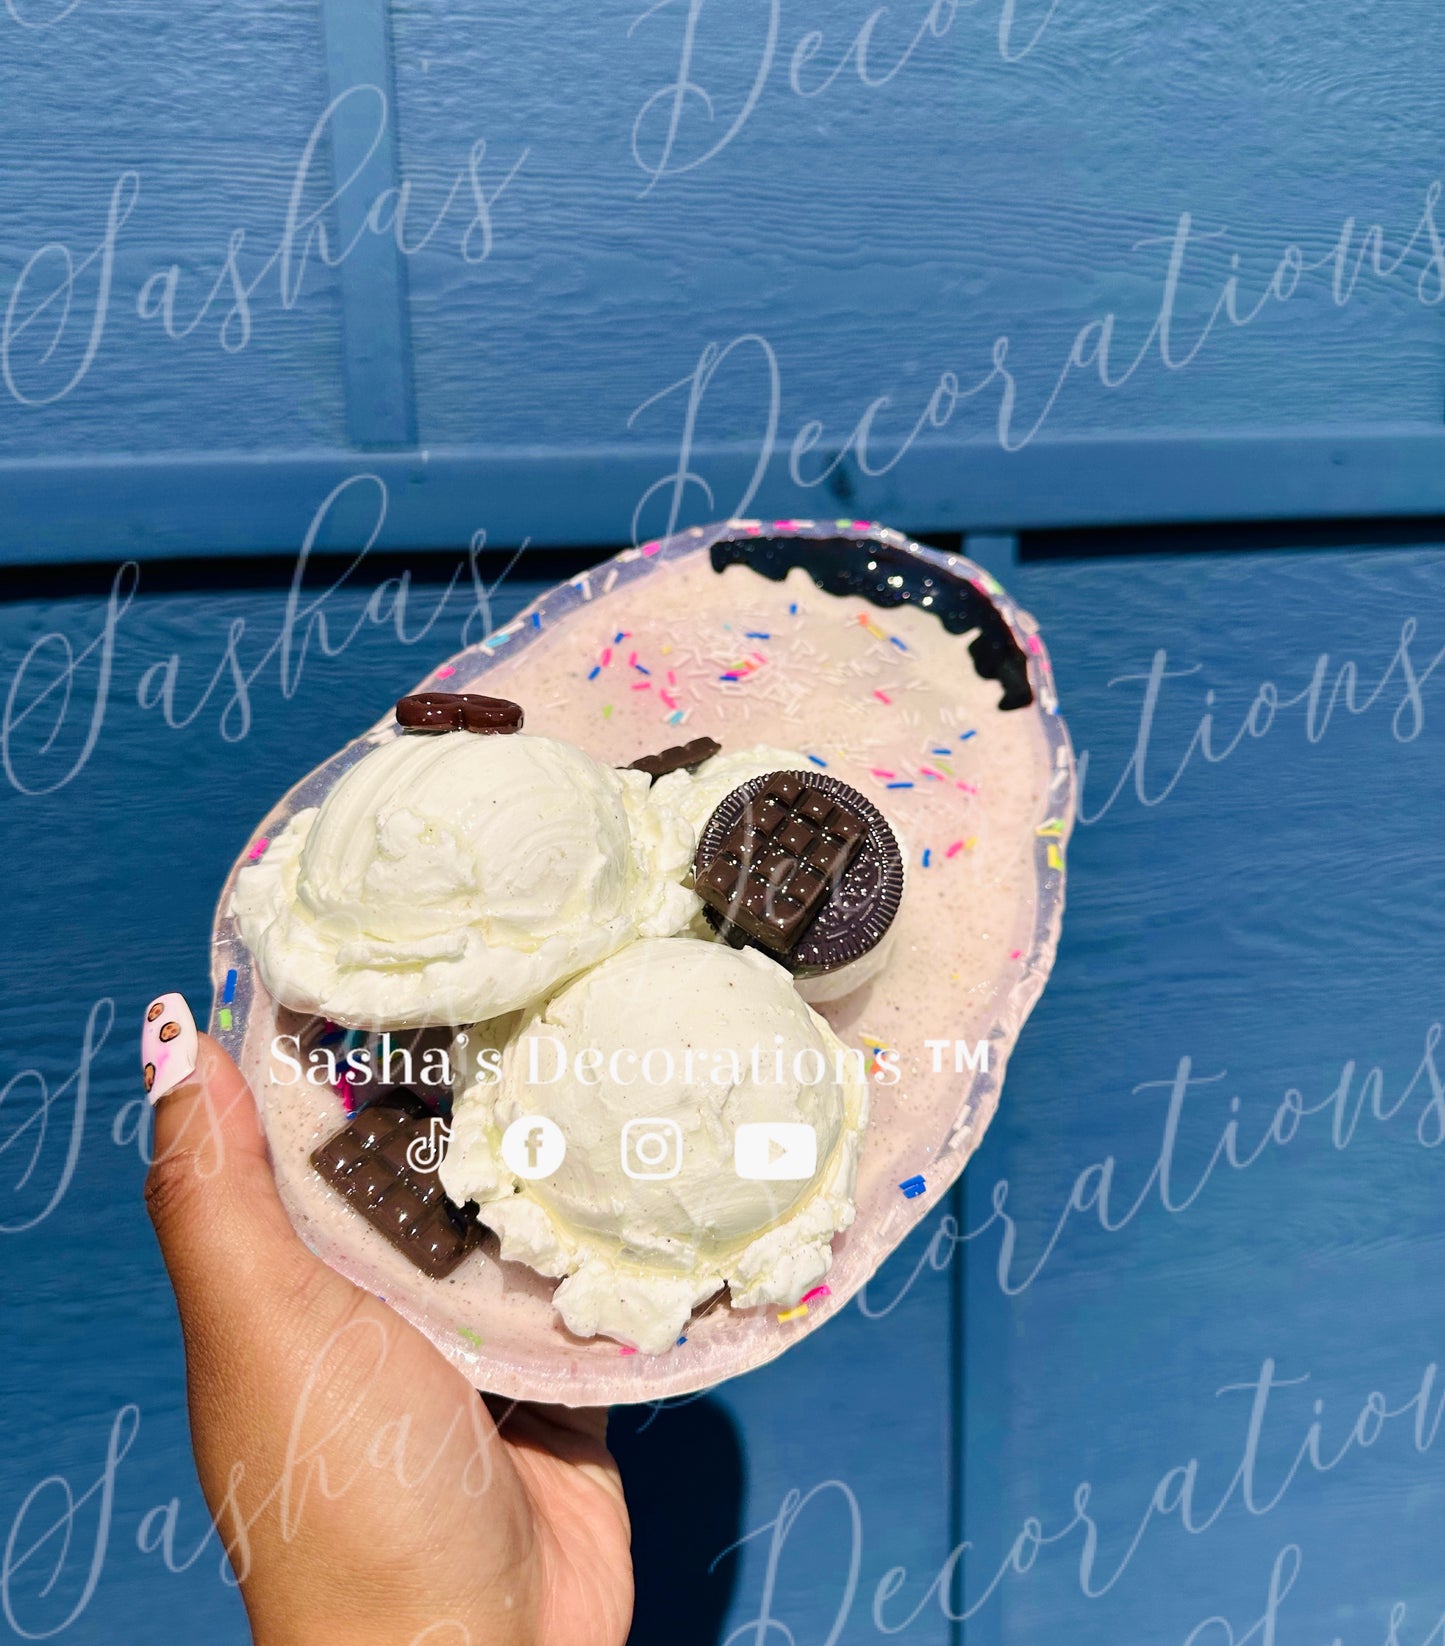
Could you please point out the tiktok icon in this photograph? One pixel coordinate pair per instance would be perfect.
(424, 1153)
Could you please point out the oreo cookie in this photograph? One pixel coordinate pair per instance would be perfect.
(801, 866)
(458, 712)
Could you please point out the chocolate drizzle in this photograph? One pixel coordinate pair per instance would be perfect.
(839, 565)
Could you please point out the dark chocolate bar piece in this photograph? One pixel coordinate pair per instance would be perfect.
(680, 755)
(771, 872)
(801, 866)
(458, 712)
(367, 1162)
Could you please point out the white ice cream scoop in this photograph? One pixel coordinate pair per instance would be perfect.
(712, 1121)
(451, 877)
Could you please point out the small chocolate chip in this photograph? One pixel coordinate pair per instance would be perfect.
(458, 712)
(676, 758)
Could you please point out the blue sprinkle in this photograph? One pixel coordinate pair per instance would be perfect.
(229, 993)
(817, 760)
(940, 751)
(757, 634)
(963, 737)
(913, 1187)
(640, 669)
(897, 642)
(900, 785)
(680, 1342)
(927, 855)
(596, 670)
(619, 637)
(794, 608)
(536, 620)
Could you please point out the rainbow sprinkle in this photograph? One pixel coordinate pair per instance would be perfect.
(882, 696)
(900, 785)
(879, 772)
(954, 849)
(675, 717)
(259, 849)
(225, 1016)
(817, 1291)
(469, 1334)
(963, 737)
(229, 992)
(927, 856)
(596, 670)
(817, 760)
(446, 671)
(1056, 860)
(793, 1314)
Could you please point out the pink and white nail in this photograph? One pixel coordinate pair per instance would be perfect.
(167, 1044)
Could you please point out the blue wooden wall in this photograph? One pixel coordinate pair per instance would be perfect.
(1170, 1355)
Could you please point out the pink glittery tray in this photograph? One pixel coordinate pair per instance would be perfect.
(494, 1320)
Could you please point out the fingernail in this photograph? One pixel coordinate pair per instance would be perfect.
(167, 1044)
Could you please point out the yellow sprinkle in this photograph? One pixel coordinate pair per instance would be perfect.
(666, 651)
(793, 1314)
(1056, 860)
(1052, 826)
(970, 843)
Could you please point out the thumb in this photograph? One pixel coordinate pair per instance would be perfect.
(223, 1232)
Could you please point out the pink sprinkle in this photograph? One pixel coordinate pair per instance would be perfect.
(446, 673)
(882, 696)
(954, 849)
(759, 656)
(1035, 644)
(928, 771)
(259, 849)
(886, 776)
(817, 1291)
(1016, 954)
(632, 661)
(642, 685)
(968, 788)
(667, 698)
(627, 1350)
(671, 678)
(861, 525)
(651, 548)
(606, 656)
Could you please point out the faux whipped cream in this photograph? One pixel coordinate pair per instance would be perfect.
(707, 1038)
(449, 878)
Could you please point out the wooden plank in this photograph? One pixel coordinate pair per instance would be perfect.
(1268, 920)
(69, 509)
(373, 282)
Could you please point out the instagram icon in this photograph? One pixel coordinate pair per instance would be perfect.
(651, 1148)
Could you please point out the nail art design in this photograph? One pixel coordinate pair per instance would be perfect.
(167, 1044)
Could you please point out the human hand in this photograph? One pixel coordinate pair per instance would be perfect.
(365, 1492)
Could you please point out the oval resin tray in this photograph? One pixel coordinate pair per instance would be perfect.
(900, 669)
